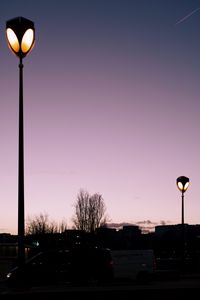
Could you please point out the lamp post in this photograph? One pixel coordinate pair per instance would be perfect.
(20, 33)
(183, 184)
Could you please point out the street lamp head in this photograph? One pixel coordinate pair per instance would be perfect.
(20, 33)
(182, 183)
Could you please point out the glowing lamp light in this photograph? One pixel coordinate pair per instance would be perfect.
(20, 33)
(182, 183)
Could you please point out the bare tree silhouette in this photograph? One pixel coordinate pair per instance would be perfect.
(40, 224)
(89, 211)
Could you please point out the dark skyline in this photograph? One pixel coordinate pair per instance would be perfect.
(111, 105)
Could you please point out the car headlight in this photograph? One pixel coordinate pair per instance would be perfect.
(8, 275)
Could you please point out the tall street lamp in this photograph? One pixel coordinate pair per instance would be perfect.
(20, 33)
(183, 184)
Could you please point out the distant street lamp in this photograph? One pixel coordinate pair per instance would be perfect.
(20, 33)
(183, 184)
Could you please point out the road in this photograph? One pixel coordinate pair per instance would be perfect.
(182, 288)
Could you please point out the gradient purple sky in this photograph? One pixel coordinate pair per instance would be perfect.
(111, 105)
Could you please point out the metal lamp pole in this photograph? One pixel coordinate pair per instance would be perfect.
(21, 230)
(20, 33)
(182, 184)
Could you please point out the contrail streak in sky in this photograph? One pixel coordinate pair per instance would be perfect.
(187, 16)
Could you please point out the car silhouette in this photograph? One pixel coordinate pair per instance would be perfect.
(77, 265)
